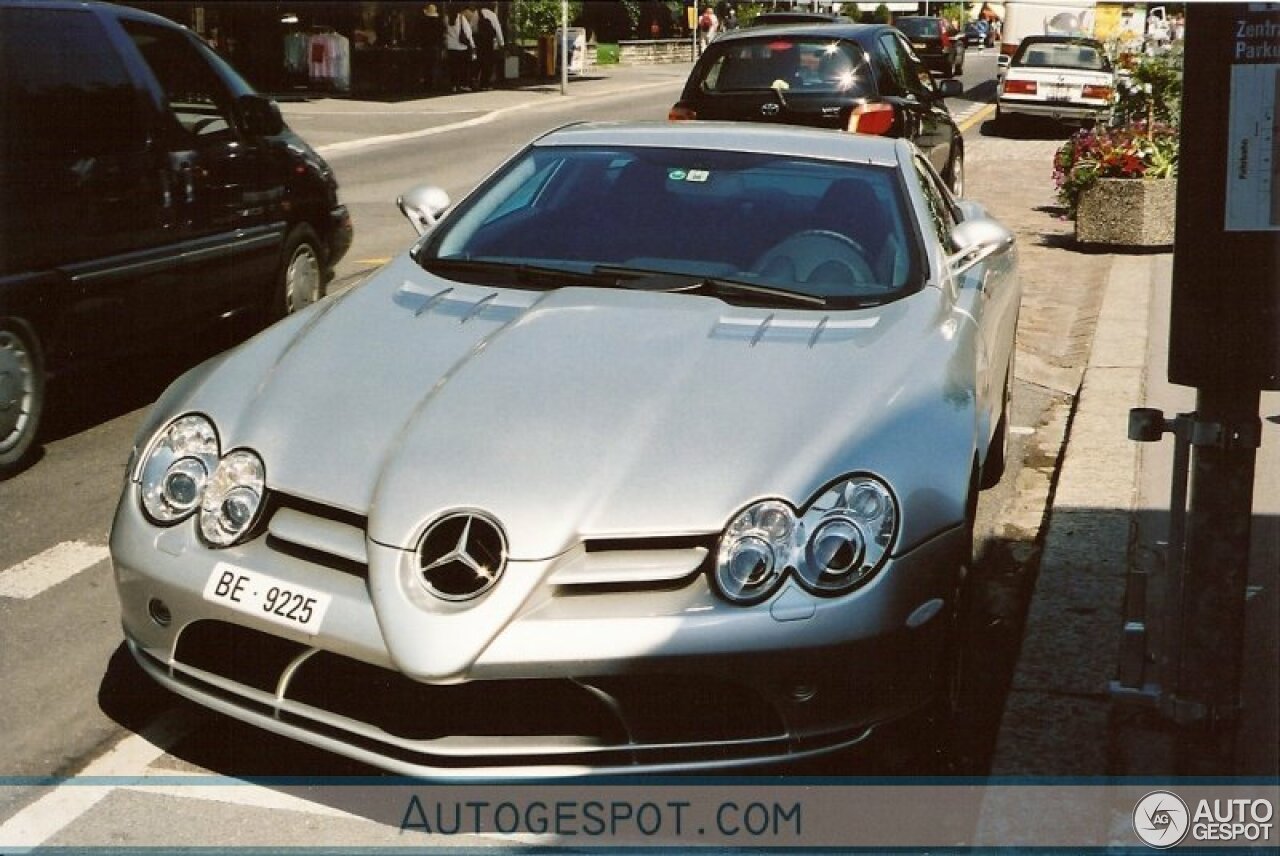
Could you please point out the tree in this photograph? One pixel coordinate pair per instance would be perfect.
(882, 15)
(533, 18)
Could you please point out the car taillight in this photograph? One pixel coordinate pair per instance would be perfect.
(1019, 87)
(1096, 91)
(679, 112)
(874, 119)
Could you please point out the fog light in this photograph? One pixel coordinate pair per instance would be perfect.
(159, 612)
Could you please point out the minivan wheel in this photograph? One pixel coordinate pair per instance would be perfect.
(21, 393)
(301, 280)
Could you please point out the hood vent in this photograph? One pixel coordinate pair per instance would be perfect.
(462, 305)
(796, 331)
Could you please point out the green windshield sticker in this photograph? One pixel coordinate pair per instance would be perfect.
(676, 175)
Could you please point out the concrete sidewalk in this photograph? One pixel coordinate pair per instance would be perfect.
(1110, 511)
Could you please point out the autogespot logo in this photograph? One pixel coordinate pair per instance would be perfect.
(1161, 819)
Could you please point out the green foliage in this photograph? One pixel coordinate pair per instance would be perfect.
(607, 54)
(533, 18)
(955, 12)
(1136, 150)
(633, 16)
(882, 15)
(747, 13)
(1149, 89)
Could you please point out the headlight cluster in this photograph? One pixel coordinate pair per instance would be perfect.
(183, 472)
(837, 543)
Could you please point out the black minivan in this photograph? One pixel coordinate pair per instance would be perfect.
(144, 188)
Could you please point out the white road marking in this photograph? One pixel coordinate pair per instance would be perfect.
(346, 147)
(1022, 430)
(55, 811)
(27, 579)
(247, 795)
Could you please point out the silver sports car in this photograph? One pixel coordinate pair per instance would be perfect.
(657, 452)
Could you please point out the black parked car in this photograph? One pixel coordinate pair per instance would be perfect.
(979, 33)
(144, 188)
(850, 77)
(935, 41)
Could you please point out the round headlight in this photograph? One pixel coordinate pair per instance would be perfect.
(851, 526)
(232, 498)
(756, 548)
(176, 467)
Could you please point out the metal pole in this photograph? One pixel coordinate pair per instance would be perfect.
(564, 47)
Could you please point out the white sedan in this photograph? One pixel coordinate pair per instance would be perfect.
(1064, 78)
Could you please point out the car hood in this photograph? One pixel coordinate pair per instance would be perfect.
(574, 413)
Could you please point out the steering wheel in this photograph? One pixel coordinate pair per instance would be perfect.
(820, 257)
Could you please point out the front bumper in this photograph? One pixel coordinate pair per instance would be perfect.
(592, 681)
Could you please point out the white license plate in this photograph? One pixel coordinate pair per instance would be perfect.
(919, 45)
(252, 593)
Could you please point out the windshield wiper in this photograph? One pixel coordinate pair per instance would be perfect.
(521, 273)
(692, 283)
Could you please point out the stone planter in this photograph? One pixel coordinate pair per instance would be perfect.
(1130, 212)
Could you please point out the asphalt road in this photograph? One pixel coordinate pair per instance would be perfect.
(71, 700)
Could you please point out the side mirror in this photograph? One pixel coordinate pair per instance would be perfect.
(260, 116)
(424, 205)
(978, 240)
(950, 88)
(971, 209)
(1002, 64)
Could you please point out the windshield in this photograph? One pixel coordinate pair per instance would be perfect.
(795, 64)
(1082, 55)
(830, 230)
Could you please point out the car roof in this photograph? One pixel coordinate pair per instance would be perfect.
(111, 9)
(732, 136)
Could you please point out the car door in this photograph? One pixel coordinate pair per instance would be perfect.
(905, 81)
(81, 188)
(984, 293)
(225, 185)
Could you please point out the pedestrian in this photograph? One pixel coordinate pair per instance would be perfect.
(459, 46)
(432, 40)
(472, 15)
(489, 45)
(708, 27)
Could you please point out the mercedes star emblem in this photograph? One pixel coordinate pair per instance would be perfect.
(461, 556)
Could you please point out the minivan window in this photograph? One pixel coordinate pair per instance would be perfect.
(63, 89)
(790, 64)
(197, 97)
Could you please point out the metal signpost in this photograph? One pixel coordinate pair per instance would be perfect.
(1225, 341)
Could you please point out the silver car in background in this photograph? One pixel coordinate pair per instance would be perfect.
(658, 452)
